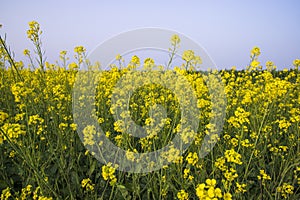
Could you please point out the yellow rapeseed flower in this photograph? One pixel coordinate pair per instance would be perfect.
(263, 175)
(227, 196)
(3, 117)
(182, 195)
(26, 52)
(148, 63)
(296, 63)
(240, 188)
(118, 57)
(5, 195)
(188, 55)
(108, 173)
(192, 158)
(175, 40)
(135, 60)
(79, 49)
(285, 190)
(232, 156)
(211, 182)
(255, 51)
(87, 184)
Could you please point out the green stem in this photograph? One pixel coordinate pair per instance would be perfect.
(30, 163)
(11, 60)
(256, 141)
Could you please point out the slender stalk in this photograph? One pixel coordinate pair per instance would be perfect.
(10, 59)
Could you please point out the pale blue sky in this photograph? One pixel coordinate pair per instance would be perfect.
(226, 29)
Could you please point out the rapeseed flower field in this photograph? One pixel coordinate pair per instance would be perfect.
(256, 155)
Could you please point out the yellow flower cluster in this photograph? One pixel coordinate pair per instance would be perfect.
(12, 132)
(192, 158)
(285, 190)
(263, 176)
(6, 194)
(3, 116)
(187, 174)
(270, 66)
(172, 155)
(175, 39)
(87, 184)
(182, 195)
(233, 157)
(135, 60)
(26, 193)
(255, 51)
(191, 59)
(89, 132)
(79, 49)
(26, 52)
(34, 31)
(108, 173)
(38, 196)
(296, 63)
(208, 190)
(240, 188)
(80, 54)
(148, 63)
(240, 118)
(254, 63)
(230, 174)
(188, 55)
